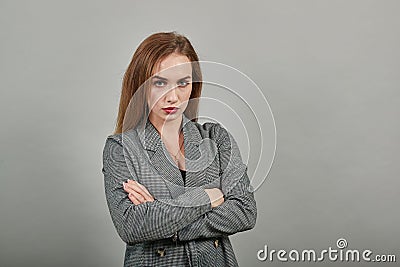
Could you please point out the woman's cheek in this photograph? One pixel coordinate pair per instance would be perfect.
(154, 98)
(187, 96)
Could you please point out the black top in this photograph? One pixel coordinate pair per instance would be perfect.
(183, 172)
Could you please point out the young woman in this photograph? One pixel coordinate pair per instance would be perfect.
(176, 189)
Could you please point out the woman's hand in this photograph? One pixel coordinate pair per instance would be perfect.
(216, 196)
(137, 193)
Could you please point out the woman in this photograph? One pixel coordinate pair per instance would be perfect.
(175, 189)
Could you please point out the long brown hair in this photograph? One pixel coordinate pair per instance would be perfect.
(144, 61)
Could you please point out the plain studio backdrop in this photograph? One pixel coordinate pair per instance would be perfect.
(330, 72)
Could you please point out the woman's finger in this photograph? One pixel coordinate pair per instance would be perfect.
(135, 188)
(130, 188)
(138, 197)
(133, 199)
(144, 188)
(141, 189)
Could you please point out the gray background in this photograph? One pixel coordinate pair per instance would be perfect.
(330, 70)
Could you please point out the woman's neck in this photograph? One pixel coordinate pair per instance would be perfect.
(168, 128)
(172, 137)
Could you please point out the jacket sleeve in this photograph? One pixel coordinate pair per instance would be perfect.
(150, 220)
(238, 212)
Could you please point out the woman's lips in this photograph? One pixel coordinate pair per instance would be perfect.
(170, 110)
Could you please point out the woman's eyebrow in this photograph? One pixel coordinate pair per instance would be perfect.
(165, 79)
(159, 77)
(185, 77)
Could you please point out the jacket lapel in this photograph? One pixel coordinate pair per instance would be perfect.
(192, 138)
(197, 157)
(200, 155)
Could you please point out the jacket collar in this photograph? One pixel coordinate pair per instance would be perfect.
(191, 134)
(162, 161)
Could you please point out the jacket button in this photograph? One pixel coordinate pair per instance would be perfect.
(175, 237)
(161, 252)
(216, 243)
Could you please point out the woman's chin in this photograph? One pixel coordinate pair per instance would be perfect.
(168, 117)
(173, 116)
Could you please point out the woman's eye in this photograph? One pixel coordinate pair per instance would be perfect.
(183, 83)
(159, 83)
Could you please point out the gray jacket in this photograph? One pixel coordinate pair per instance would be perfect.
(179, 228)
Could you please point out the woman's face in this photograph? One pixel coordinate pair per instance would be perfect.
(170, 88)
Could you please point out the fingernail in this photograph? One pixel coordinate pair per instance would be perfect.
(127, 181)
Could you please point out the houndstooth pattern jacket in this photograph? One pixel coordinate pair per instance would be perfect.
(179, 228)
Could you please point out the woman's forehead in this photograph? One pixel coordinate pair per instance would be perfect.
(174, 66)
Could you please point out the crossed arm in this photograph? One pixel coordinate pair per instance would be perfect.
(196, 213)
(139, 194)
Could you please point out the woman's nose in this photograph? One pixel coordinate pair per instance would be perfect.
(171, 95)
